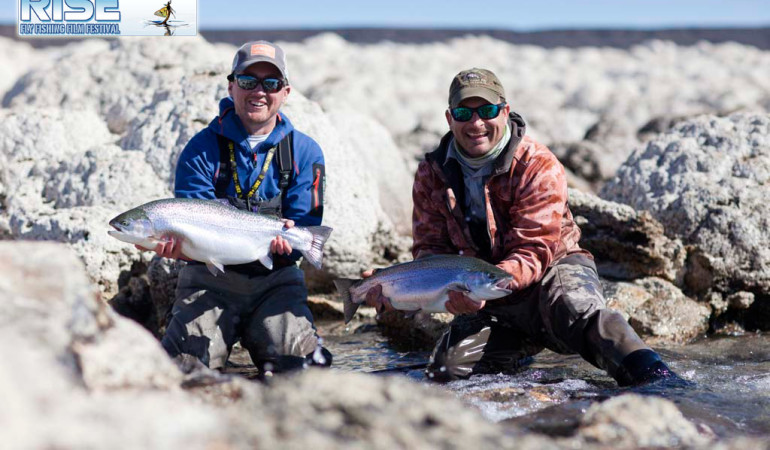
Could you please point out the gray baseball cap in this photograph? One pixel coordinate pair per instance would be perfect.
(475, 83)
(260, 51)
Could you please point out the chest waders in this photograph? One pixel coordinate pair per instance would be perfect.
(249, 201)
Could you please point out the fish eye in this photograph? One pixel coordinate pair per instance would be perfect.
(124, 222)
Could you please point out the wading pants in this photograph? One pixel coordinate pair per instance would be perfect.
(565, 312)
(268, 313)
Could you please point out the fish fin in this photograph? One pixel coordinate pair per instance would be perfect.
(267, 261)
(315, 255)
(215, 267)
(349, 306)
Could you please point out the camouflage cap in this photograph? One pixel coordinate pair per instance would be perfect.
(475, 83)
(260, 51)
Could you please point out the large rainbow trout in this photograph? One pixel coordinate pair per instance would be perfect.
(424, 284)
(214, 233)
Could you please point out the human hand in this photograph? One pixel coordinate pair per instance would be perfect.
(459, 303)
(169, 247)
(280, 245)
(374, 297)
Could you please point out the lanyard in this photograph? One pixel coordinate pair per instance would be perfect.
(261, 176)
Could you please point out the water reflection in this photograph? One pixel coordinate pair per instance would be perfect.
(168, 28)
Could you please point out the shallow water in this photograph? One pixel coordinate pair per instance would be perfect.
(731, 395)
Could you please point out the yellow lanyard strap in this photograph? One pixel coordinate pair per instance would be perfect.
(261, 176)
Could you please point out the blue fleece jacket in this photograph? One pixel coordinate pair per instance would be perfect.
(198, 166)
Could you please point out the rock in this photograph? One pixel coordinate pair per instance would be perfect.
(382, 160)
(616, 423)
(129, 75)
(587, 160)
(84, 330)
(658, 310)
(363, 233)
(625, 244)
(16, 57)
(327, 409)
(418, 332)
(741, 300)
(706, 181)
(66, 134)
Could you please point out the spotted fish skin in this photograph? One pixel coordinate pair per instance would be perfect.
(214, 233)
(424, 284)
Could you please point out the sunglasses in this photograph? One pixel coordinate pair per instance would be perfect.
(486, 112)
(250, 83)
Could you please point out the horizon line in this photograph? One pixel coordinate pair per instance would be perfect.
(475, 28)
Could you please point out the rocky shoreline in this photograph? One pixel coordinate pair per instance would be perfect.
(670, 166)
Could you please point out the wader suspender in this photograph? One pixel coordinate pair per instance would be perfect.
(227, 171)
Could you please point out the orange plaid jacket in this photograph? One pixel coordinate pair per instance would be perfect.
(529, 223)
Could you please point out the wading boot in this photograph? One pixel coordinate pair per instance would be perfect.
(645, 367)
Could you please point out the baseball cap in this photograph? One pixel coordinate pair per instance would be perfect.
(260, 51)
(475, 83)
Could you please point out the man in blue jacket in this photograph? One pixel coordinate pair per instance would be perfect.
(252, 157)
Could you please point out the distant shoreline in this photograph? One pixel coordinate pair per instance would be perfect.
(617, 38)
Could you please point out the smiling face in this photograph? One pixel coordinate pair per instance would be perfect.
(257, 109)
(478, 136)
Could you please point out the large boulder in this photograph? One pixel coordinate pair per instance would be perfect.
(615, 424)
(372, 144)
(707, 181)
(53, 302)
(126, 78)
(658, 311)
(626, 244)
(69, 180)
(15, 59)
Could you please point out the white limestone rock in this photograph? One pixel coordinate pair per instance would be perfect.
(707, 181)
(16, 57)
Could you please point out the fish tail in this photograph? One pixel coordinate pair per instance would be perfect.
(350, 307)
(316, 252)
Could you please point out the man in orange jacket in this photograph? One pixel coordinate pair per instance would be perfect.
(492, 192)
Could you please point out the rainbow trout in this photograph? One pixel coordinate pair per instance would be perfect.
(214, 233)
(424, 284)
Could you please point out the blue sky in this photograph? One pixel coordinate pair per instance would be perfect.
(511, 14)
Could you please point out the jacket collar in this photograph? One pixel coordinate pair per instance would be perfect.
(229, 125)
(500, 165)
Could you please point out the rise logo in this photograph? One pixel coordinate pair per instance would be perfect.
(68, 10)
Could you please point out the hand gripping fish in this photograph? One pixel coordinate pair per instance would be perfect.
(214, 233)
(424, 284)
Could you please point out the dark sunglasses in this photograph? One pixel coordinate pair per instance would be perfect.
(250, 83)
(486, 112)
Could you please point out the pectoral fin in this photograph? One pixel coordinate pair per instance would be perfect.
(215, 267)
(267, 261)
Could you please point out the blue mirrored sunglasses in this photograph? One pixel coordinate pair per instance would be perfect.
(486, 112)
(249, 83)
